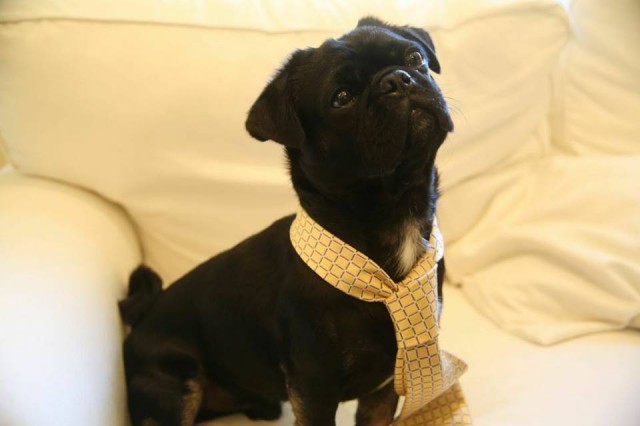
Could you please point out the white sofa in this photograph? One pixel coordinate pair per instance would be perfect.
(123, 125)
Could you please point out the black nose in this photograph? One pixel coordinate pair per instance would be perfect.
(395, 81)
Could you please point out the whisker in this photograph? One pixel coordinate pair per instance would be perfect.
(455, 107)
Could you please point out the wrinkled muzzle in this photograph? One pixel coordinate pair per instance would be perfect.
(402, 112)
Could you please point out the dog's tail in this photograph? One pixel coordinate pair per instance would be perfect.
(144, 287)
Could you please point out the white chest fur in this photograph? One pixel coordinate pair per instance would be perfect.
(410, 247)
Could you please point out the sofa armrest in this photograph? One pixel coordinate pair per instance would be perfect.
(65, 255)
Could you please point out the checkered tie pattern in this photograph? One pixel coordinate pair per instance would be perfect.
(425, 375)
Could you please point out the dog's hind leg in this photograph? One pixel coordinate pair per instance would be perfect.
(163, 400)
(164, 382)
(191, 402)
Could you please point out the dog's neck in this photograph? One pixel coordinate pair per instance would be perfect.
(384, 218)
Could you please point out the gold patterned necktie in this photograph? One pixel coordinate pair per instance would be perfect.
(426, 375)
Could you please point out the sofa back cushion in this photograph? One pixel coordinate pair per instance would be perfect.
(553, 254)
(597, 106)
(144, 102)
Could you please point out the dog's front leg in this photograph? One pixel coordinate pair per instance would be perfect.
(314, 401)
(312, 370)
(378, 407)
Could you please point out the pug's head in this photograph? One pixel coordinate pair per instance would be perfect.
(357, 108)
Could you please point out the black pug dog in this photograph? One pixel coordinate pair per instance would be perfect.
(361, 120)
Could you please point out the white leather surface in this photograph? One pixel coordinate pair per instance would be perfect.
(590, 381)
(64, 258)
(274, 16)
(162, 107)
(555, 253)
(144, 103)
(597, 110)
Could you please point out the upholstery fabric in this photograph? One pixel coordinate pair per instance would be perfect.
(162, 107)
(143, 103)
(65, 255)
(555, 254)
(596, 111)
(162, 89)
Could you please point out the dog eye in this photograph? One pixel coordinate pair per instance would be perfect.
(414, 59)
(341, 99)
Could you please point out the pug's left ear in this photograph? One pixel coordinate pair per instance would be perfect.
(412, 33)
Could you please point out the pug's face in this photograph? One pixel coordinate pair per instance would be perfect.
(361, 107)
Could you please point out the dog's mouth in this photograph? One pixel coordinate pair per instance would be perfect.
(434, 115)
(421, 123)
(414, 126)
(421, 120)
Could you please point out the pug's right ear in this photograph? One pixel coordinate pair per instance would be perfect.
(273, 115)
